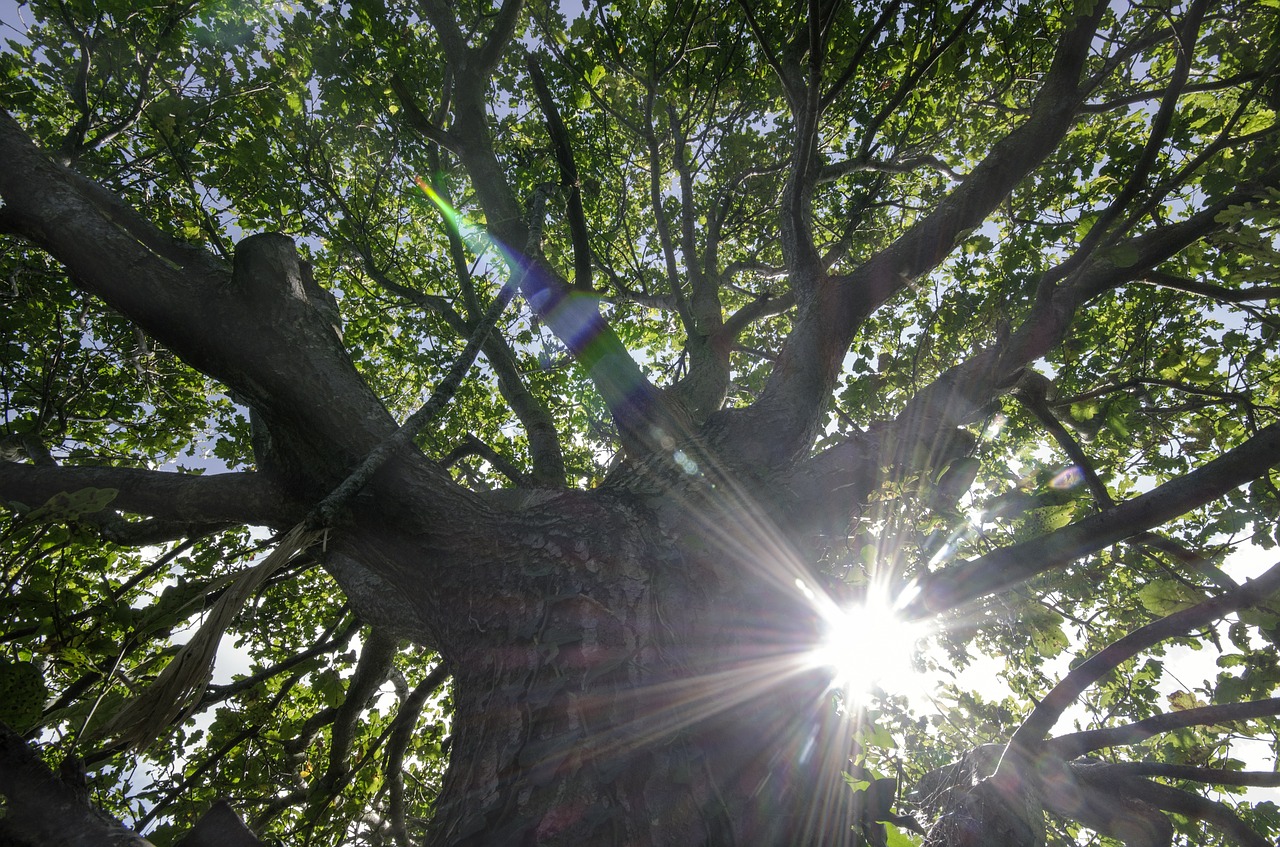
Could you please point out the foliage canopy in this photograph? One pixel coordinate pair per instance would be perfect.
(975, 301)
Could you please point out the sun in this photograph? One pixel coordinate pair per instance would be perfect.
(869, 645)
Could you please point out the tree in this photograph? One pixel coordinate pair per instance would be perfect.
(572, 370)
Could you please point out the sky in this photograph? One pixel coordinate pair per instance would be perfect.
(11, 17)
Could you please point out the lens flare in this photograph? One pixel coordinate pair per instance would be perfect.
(1069, 478)
(869, 645)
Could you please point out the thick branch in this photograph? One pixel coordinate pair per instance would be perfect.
(1076, 744)
(568, 176)
(783, 422)
(372, 669)
(1199, 808)
(246, 498)
(500, 35)
(763, 306)
(258, 330)
(1005, 568)
(1194, 773)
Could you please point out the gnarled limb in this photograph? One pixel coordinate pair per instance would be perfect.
(282, 356)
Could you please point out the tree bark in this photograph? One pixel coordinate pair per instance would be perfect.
(623, 688)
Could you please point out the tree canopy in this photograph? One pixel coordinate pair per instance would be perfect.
(513, 398)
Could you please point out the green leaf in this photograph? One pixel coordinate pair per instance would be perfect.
(22, 694)
(69, 506)
(1165, 596)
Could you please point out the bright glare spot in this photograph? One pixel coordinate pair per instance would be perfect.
(869, 645)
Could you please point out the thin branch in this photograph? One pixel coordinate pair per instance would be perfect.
(216, 757)
(1220, 293)
(325, 644)
(762, 44)
(836, 170)
(473, 446)
(1032, 392)
(544, 442)
(1154, 93)
(1160, 124)
(560, 143)
(113, 130)
(868, 37)
(418, 119)
(1050, 709)
(660, 222)
(908, 83)
(401, 734)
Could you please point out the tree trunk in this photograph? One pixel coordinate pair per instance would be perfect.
(633, 671)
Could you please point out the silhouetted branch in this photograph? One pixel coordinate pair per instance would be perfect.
(1078, 743)
(1050, 709)
(1007, 567)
